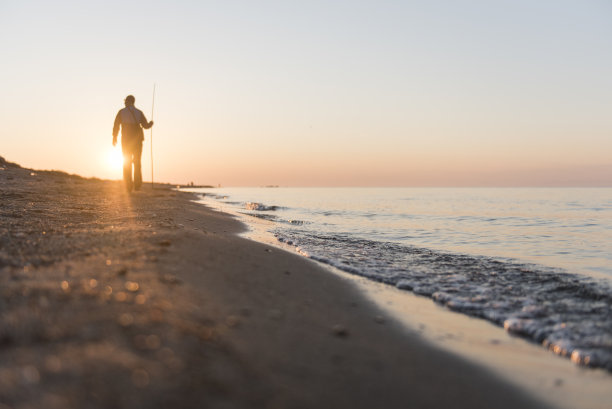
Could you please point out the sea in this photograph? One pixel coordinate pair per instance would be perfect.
(535, 261)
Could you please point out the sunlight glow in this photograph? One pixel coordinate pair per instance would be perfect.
(114, 158)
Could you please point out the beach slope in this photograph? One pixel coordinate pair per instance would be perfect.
(150, 300)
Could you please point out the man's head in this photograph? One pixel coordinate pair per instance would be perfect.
(129, 100)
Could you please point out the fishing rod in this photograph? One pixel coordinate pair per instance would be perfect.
(152, 111)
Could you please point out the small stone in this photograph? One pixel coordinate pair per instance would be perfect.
(65, 286)
(165, 243)
(140, 341)
(153, 342)
(30, 374)
(165, 354)
(207, 333)
(340, 331)
(232, 321)
(169, 279)
(126, 319)
(53, 364)
(122, 271)
(165, 305)
(140, 378)
(379, 319)
(131, 286)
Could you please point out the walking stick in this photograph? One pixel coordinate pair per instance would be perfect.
(152, 111)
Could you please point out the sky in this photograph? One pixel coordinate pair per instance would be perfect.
(315, 93)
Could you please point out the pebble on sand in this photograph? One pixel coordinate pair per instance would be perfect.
(140, 378)
(30, 374)
(232, 321)
(379, 319)
(65, 286)
(169, 279)
(340, 331)
(131, 286)
(126, 319)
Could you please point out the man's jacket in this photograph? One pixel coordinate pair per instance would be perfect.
(131, 120)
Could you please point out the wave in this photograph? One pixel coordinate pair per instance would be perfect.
(259, 207)
(263, 216)
(275, 218)
(296, 222)
(569, 314)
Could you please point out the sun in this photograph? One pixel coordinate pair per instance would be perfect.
(114, 158)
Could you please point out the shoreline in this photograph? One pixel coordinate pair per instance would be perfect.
(151, 300)
(557, 380)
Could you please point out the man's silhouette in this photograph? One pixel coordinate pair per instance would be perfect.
(132, 120)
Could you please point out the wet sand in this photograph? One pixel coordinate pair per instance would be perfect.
(149, 300)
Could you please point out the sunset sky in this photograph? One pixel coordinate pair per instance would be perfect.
(316, 93)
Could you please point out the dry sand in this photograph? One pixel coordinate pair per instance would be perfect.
(148, 300)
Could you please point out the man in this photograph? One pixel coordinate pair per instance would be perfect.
(132, 120)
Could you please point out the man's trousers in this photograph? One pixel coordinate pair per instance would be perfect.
(132, 151)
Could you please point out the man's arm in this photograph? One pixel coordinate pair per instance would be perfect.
(116, 127)
(143, 121)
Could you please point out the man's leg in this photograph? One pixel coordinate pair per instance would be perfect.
(127, 166)
(137, 169)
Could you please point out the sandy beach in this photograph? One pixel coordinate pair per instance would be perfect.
(150, 300)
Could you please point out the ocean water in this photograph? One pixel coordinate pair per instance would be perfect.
(537, 262)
